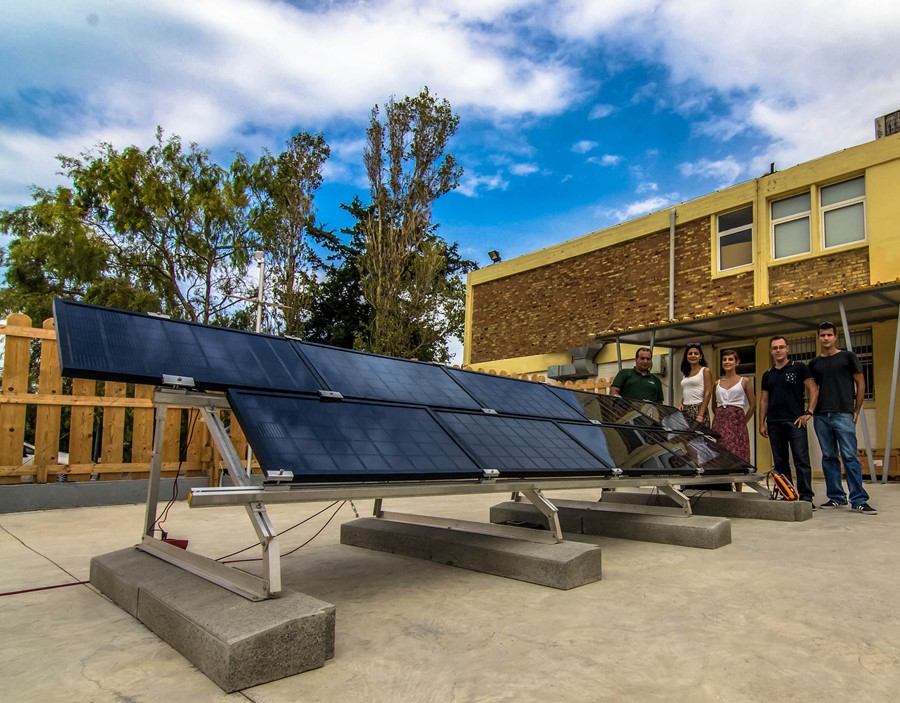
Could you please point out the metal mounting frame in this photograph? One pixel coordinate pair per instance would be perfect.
(255, 498)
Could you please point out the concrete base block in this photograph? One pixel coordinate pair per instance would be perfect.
(744, 505)
(564, 565)
(235, 642)
(695, 531)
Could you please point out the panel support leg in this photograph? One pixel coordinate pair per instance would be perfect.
(547, 508)
(675, 494)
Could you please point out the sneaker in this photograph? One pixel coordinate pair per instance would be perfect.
(832, 504)
(864, 509)
(812, 505)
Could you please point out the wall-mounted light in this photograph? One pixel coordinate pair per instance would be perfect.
(495, 256)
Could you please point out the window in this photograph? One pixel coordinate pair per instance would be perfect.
(844, 212)
(735, 238)
(790, 226)
(804, 348)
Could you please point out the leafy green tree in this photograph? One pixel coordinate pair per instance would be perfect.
(175, 223)
(284, 216)
(407, 271)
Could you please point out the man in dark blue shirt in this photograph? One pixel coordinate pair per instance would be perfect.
(783, 417)
(842, 387)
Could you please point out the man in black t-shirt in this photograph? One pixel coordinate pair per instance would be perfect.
(841, 390)
(783, 417)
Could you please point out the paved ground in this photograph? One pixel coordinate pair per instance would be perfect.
(788, 612)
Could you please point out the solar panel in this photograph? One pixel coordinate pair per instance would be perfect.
(359, 375)
(519, 446)
(120, 345)
(347, 440)
(509, 395)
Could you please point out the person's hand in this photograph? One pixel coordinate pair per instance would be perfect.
(764, 431)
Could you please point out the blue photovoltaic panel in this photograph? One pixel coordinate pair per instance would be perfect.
(509, 395)
(347, 440)
(119, 345)
(359, 375)
(516, 446)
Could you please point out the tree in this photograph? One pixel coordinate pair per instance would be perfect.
(283, 217)
(54, 253)
(174, 221)
(405, 267)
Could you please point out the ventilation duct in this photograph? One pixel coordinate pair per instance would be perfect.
(582, 365)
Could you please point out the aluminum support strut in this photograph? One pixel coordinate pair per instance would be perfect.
(239, 582)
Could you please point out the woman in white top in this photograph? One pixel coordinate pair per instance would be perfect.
(733, 394)
(696, 386)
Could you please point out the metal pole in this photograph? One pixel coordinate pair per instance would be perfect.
(862, 411)
(260, 258)
(890, 425)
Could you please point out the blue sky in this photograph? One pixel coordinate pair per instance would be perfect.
(575, 115)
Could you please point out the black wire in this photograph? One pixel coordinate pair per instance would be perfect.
(278, 534)
(164, 515)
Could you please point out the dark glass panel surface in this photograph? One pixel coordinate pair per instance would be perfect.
(360, 375)
(347, 440)
(119, 345)
(510, 395)
(518, 446)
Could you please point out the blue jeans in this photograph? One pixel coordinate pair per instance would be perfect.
(837, 437)
(784, 434)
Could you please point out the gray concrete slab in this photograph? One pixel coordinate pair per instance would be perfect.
(749, 505)
(235, 642)
(790, 612)
(589, 518)
(565, 565)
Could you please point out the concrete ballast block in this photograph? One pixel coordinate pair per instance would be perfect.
(236, 642)
(564, 565)
(724, 504)
(694, 531)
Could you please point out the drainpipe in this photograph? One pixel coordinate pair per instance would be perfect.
(672, 216)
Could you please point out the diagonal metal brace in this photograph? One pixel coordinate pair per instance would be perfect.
(549, 511)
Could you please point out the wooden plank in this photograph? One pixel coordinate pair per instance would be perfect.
(89, 400)
(142, 428)
(16, 329)
(172, 436)
(87, 469)
(113, 437)
(15, 380)
(47, 422)
(81, 425)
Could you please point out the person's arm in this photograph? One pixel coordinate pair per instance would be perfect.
(763, 412)
(707, 393)
(860, 381)
(618, 383)
(751, 399)
(660, 398)
(812, 390)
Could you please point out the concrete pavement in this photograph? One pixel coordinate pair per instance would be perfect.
(788, 612)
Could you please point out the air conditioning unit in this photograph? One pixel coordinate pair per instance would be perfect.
(887, 125)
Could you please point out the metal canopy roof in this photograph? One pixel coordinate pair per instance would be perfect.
(863, 306)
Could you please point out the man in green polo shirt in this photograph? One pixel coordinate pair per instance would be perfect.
(638, 383)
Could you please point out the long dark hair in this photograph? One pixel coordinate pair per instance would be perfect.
(685, 364)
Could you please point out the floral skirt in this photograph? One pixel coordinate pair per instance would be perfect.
(692, 411)
(731, 423)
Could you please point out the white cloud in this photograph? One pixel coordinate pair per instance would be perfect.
(606, 160)
(584, 146)
(471, 184)
(600, 111)
(642, 207)
(646, 187)
(523, 169)
(724, 171)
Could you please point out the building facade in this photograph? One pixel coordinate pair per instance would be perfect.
(812, 231)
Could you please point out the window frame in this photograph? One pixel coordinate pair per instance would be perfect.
(774, 222)
(859, 199)
(720, 234)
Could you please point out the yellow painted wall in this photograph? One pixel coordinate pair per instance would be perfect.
(883, 213)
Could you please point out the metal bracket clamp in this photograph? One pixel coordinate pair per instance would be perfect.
(547, 508)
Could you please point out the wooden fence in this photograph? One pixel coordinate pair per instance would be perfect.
(100, 417)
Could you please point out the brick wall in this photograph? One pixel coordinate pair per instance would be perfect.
(823, 274)
(561, 305)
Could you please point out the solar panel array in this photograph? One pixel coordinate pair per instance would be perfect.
(326, 414)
